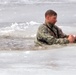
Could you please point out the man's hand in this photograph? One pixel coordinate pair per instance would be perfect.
(71, 38)
(75, 37)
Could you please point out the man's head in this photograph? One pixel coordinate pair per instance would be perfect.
(51, 16)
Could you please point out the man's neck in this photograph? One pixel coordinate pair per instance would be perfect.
(48, 23)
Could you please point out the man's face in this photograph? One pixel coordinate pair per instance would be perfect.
(52, 19)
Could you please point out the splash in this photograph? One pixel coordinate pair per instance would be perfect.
(20, 30)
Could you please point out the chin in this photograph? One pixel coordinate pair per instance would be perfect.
(53, 23)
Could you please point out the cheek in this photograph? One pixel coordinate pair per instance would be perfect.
(54, 20)
(50, 19)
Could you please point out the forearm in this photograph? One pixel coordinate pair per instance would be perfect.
(61, 41)
(57, 40)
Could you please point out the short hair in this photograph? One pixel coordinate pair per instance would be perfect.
(50, 12)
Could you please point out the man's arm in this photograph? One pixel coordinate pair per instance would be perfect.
(62, 35)
(45, 35)
(71, 38)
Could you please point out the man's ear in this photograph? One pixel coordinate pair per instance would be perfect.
(47, 17)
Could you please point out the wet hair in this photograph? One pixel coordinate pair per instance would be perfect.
(50, 12)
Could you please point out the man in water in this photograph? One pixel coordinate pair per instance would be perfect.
(48, 33)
